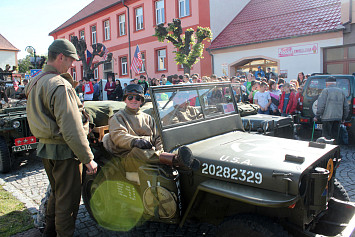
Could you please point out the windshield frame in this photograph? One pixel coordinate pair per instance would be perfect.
(155, 90)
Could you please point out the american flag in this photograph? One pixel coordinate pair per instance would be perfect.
(137, 61)
(106, 52)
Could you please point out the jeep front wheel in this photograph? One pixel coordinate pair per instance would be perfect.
(250, 225)
(5, 158)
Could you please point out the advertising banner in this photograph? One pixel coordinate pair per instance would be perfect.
(298, 50)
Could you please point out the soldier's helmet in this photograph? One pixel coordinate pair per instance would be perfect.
(133, 89)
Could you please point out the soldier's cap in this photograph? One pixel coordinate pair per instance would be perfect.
(65, 47)
(133, 89)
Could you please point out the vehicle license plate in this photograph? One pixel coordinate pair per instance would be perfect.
(319, 126)
(24, 147)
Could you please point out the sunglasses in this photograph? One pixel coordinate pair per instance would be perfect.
(137, 97)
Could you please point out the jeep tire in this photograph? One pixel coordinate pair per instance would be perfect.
(5, 158)
(86, 191)
(340, 192)
(250, 225)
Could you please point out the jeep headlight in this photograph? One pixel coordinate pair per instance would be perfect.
(16, 124)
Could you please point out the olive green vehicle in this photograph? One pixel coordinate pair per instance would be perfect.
(16, 139)
(247, 184)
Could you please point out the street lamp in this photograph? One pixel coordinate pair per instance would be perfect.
(31, 50)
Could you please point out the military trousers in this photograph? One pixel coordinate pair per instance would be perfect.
(63, 204)
(138, 157)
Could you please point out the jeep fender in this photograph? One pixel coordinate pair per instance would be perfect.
(242, 193)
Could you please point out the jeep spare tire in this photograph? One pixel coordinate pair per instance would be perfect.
(314, 107)
(5, 158)
(340, 192)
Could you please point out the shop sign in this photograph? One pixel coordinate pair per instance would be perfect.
(298, 50)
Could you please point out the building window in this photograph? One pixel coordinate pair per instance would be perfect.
(139, 18)
(161, 60)
(73, 73)
(107, 30)
(96, 73)
(82, 34)
(184, 8)
(143, 62)
(107, 66)
(122, 24)
(159, 12)
(339, 60)
(124, 65)
(93, 35)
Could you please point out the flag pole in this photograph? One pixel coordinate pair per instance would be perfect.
(146, 71)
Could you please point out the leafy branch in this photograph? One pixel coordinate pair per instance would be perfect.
(189, 47)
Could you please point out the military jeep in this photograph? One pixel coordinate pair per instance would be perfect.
(16, 138)
(247, 184)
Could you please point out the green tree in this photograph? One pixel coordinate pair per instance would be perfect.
(89, 67)
(189, 47)
(24, 64)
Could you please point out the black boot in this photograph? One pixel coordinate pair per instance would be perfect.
(183, 160)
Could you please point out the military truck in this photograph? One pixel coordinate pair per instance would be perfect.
(16, 139)
(247, 184)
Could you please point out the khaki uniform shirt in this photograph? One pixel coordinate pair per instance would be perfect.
(55, 116)
(181, 114)
(127, 125)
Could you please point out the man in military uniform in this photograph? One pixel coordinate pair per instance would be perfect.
(133, 136)
(55, 115)
(183, 111)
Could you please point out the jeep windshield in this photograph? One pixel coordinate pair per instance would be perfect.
(183, 104)
(317, 84)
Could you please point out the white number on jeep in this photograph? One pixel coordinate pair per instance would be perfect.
(219, 171)
(235, 174)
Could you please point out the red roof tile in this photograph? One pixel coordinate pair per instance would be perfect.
(266, 20)
(91, 9)
(6, 45)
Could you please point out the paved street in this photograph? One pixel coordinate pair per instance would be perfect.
(29, 182)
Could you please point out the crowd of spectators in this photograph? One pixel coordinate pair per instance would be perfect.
(268, 90)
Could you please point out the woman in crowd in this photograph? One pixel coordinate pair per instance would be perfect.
(155, 82)
(110, 87)
(118, 91)
(275, 94)
(300, 78)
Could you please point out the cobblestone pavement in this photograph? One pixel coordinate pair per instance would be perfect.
(28, 183)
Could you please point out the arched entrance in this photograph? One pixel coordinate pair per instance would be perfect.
(243, 65)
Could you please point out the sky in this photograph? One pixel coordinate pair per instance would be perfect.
(28, 22)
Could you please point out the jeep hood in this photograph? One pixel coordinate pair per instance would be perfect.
(260, 161)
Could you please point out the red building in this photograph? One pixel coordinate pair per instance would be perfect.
(108, 22)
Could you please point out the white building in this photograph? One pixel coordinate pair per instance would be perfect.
(289, 36)
(8, 53)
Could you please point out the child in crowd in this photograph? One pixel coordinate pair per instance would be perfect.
(288, 101)
(263, 99)
(255, 87)
(299, 98)
(275, 94)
